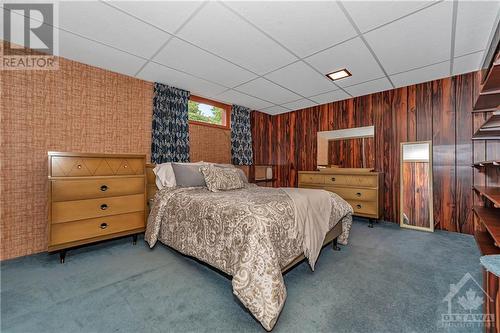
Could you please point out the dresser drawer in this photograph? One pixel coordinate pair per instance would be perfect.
(352, 193)
(69, 166)
(364, 207)
(65, 190)
(352, 180)
(65, 211)
(311, 178)
(78, 230)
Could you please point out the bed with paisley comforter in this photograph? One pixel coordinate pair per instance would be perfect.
(250, 233)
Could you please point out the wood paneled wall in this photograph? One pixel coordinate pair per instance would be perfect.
(439, 111)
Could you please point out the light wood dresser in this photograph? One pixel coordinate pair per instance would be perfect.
(363, 190)
(94, 197)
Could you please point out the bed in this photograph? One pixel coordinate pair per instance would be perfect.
(253, 234)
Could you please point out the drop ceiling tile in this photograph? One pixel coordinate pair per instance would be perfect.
(268, 91)
(300, 104)
(302, 79)
(188, 58)
(273, 110)
(475, 20)
(217, 29)
(98, 55)
(166, 15)
(235, 97)
(469, 63)
(424, 74)
(302, 26)
(157, 73)
(331, 96)
(369, 87)
(414, 41)
(370, 14)
(353, 55)
(97, 21)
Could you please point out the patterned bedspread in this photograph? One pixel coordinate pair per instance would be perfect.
(247, 233)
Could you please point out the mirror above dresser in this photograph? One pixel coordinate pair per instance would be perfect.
(347, 148)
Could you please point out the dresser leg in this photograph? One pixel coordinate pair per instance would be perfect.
(134, 239)
(335, 245)
(62, 256)
(370, 223)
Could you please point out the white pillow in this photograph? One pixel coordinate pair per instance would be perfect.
(164, 175)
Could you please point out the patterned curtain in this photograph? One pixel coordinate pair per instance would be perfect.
(241, 136)
(170, 134)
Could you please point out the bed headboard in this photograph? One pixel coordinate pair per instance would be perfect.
(151, 184)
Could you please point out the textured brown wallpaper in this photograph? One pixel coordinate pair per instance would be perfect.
(77, 108)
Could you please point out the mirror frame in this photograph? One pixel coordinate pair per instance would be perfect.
(431, 193)
(342, 134)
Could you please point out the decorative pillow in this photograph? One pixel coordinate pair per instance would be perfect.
(165, 176)
(243, 176)
(188, 174)
(221, 179)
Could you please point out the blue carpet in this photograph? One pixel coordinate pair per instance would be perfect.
(386, 280)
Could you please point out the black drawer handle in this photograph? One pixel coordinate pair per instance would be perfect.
(358, 206)
(104, 188)
(358, 194)
(104, 206)
(333, 179)
(104, 225)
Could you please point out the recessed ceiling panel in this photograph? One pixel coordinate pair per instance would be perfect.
(300, 104)
(369, 87)
(235, 97)
(157, 73)
(166, 15)
(98, 55)
(475, 21)
(420, 75)
(217, 29)
(302, 26)
(302, 79)
(331, 96)
(268, 91)
(100, 22)
(275, 110)
(418, 40)
(190, 59)
(370, 14)
(469, 63)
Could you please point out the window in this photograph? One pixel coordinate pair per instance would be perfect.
(207, 112)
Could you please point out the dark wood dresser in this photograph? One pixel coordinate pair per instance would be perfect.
(94, 197)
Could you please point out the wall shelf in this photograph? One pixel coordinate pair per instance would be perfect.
(490, 218)
(489, 97)
(486, 164)
(485, 243)
(490, 130)
(492, 193)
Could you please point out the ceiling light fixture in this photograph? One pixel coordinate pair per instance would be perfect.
(337, 75)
